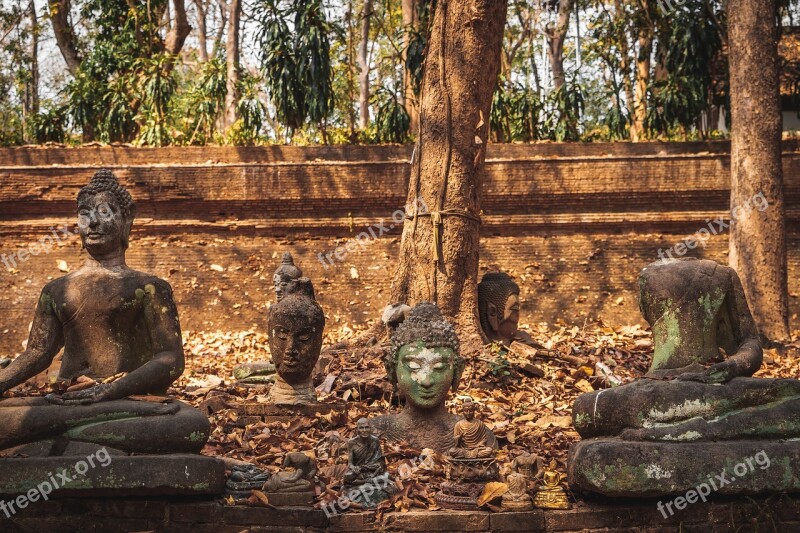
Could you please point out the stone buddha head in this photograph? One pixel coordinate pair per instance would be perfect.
(105, 215)
(498, 306)
(296, 324)
(424, 363)
(284, 274)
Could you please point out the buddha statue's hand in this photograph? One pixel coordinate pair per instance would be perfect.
(98, 393)
(718, 373)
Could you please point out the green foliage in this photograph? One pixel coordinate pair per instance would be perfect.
(690, 42)
(392, 120)
(296, 61)
(252, 113)
(157, 85)
(49, 126)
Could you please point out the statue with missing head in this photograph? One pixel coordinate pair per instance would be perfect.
(296, 325)
(112, 322)
(423, 365)
(498, 309)
(699, 404)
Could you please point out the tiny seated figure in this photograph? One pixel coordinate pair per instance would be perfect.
(524, 468)
(517, 497)
(698, 393)
(284, 274)
(498, 309)
(366, 481)
(423, 365)
(551, 495)
(470, 463)
(296, 325)
(299, 477)
(109, 319)
(473, 440)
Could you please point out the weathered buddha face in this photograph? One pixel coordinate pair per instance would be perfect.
(425, 375)
(295, 342)
(363, 429)
(505, 321)
(468, 410)
(102, 225)
(280, 281)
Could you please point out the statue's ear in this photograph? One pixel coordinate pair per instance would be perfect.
(491, 311)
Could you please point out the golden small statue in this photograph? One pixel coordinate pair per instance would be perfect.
(552, 495)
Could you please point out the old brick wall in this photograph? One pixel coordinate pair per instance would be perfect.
(573, 223)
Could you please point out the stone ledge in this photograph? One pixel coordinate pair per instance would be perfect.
(598, 515)
(128, 476)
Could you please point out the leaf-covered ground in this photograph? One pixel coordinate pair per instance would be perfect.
(526, 412)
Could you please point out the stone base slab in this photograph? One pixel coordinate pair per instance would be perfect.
(139, 475)
(618, 468)
(291, 499)
(329, 415)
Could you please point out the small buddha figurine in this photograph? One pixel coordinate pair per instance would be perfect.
(523, 469)
(551, 495)
(470, 463)
(498, 309)
(366, 481)
(473, 440)
(284, 274)
(299, 475)
(296, 325)
(517, 497)
(110, 321)
(423, 365)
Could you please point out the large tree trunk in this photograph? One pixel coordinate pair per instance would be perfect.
(555, 41)
(30, 105)
(758, 239)
(173, 44)
(644, 51)
(439, 251)
(232, 61)
(65, 34)
(202, 30)
(363, 63)
(410, 9)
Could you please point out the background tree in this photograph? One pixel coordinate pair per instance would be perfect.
(439, 251)
(758, 239)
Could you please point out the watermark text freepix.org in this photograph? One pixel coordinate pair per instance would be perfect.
(54, 238)
(715, 227)
(371, 234)
(703, 490)
(55, 481)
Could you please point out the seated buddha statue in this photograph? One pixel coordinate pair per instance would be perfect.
(110, 320)
(423, 364)
(698, 401)
(366, 481)
(473, 440)
(296, 325)
(298, 475)
(498, 309)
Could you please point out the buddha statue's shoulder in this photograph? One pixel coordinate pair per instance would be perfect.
(148, 282)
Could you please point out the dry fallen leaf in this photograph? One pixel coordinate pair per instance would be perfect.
(492, 491)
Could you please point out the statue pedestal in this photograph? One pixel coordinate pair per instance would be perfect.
(630, 469)
(138, 475)
(291, 499)
(466, 479)
(327, 414)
